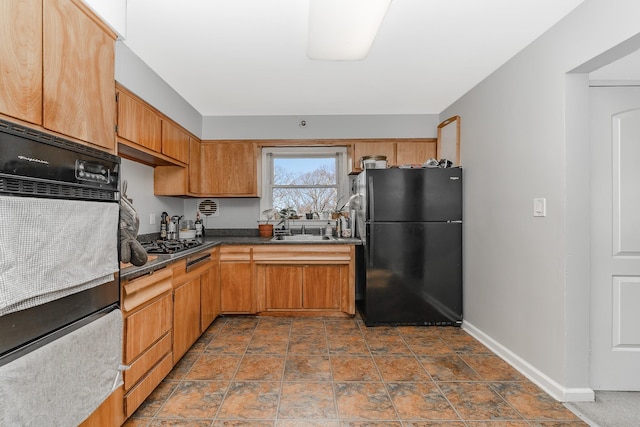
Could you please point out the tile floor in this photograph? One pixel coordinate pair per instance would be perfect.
(274, 371)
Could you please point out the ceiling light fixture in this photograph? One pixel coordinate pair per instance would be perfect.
(343, 30)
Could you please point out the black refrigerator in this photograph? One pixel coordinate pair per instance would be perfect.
(410, 265)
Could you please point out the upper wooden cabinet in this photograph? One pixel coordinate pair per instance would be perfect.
(148, 136)
(175, 141)
(397, 151)
(138, 123)
(78, 76)
(229, 169)
(414, 152)
(21, 59)
(195, 167)
(57, 68)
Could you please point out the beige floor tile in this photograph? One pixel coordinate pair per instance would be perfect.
(260, 368)
(304, 400)
(353, 368)
(194, 399)
(364, 401)
(251, 400)
(400, 368)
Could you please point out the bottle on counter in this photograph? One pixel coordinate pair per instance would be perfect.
(163, 225)
(328, 229)
(199, 226)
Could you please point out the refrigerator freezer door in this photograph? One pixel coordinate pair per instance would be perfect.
(413, 274)
(413, 194)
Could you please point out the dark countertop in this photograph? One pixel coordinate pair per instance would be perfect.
(210, 242)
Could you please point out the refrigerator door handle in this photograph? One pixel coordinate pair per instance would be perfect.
(370, 204)
(369, 247)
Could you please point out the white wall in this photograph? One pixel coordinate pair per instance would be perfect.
(526, 289)
(136, 76)
(328, 127)
(139, 179)
(113, 12)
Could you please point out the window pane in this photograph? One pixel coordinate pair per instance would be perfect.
(304, 171)
(305, 200)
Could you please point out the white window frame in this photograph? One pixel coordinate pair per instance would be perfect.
(268, 154)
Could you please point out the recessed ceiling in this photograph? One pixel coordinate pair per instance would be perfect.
(247, 57)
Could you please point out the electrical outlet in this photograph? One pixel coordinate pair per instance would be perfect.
(152, 219)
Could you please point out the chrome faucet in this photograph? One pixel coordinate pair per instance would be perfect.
(303, 229)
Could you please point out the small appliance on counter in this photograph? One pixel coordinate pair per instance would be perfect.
(172, 227)
(187, 230)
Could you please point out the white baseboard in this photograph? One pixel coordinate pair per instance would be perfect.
(555, 390)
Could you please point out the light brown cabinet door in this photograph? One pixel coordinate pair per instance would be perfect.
(209, 296)
(175, 142)
(229, 169)
(195, 175)
(186, 317)
(21, 59)
(78, 77)
(146, 326)
(138, 124)
(415, 152)
(236, 288)
(283, 287)
(321, 286)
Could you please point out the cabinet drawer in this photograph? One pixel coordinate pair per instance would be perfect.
(302, 254)
(139, 393)
(149, 358)
(235, 253)
(146, 326)
(137, 292)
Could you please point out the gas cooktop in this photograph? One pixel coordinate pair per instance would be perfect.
(168, 247)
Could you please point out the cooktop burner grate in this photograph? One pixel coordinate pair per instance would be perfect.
(170, 246)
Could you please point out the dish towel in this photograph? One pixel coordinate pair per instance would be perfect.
(63, 382)
(71, 246)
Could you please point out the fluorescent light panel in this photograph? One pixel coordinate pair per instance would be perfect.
(343, 30)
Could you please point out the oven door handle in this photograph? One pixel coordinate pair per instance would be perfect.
(195, 261)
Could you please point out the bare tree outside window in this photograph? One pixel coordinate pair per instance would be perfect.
(305, 184)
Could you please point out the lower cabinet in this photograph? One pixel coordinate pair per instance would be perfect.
(210, 292)
(322, 286)
(147, 306)
(317, 279)
(196, 301)
(303, 287)
(236, 280)
(186, 317)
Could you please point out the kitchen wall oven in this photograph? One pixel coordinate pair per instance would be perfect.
(58, 238)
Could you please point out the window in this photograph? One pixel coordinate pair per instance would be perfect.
(307, 179)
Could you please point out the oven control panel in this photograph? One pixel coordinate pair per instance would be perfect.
(93, 172)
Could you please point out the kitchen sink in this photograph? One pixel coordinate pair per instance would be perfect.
(302, 238)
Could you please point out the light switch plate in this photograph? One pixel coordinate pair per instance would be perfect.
(152, 219)
(540, 207)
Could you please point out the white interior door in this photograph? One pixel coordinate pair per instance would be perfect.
(615, 238)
